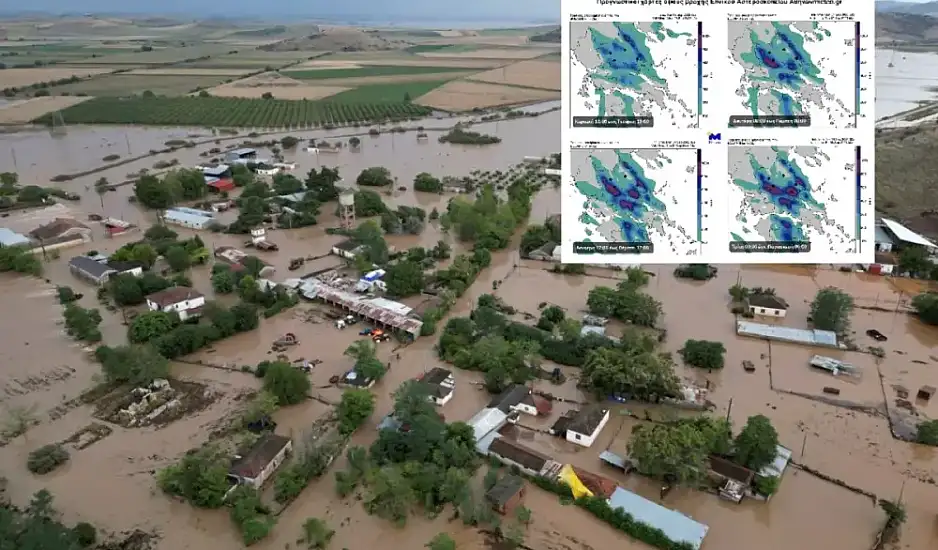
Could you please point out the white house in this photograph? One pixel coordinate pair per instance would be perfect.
(260, 463)
(767, 305)
(346, 249)
(585, 426)
(267, 170)
(183, 300)
(515, 398)
(441, 385)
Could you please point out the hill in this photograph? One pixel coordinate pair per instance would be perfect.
(549, 36)
(905, 27)
(891, 6)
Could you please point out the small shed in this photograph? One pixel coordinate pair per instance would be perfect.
(925, 393)
(507, 494)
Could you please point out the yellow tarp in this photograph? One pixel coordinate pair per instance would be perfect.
(576, 486)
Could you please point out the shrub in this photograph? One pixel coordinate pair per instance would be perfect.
(47, 458)
(85, 534)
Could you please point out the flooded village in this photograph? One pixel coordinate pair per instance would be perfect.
(360, 336)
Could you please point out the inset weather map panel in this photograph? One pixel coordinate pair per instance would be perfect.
(630, 206)
(627, 74)
(794, 74)
(797, 204)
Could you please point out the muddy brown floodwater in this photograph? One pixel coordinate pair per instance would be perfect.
(110, 482)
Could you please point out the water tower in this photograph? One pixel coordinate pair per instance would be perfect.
(347, 209)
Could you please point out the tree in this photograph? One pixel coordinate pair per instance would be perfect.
(186, 183)
(354, 409)
(47, 458)
(703, 354)
(404, 279)
(534, 237)
(223, 281)
(376, 176)
(81, 323)
(288, 142)
(755, 446)
(354, 142)
(639, 372)
(368, 203)
(523, 515)
(151, 192)
(178, 258)
(287, 383)
(673, 452)
(9, 179)
(316, 534)
(126, 290)
(151, 325)
(831, 310)
(261, 408)
(101, 187)
(19, 419)
(201, 477)
(427, 183)
(138, 365)
(441, 541)
(926, 306)
(390, 495)
(914, 260)
(739, 292)
(626, 303)
(245, 317)
(139, 252)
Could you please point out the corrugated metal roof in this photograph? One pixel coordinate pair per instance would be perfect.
(8, 237)
(777, 467)
(186, 218)
(486, 422)
(193, 211)
(675, 525)
(905, 234)
(787, 334)
(376, 311)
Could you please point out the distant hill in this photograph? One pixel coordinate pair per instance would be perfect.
(892, 6)
(549, 36)
(905, 27)
(268, 31)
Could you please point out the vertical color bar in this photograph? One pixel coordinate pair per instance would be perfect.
(856, 44)
(859, 171)
(700, 85)
(699, 197)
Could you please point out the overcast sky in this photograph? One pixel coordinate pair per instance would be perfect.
(401, 9)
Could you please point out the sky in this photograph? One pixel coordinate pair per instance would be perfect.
(397, 9)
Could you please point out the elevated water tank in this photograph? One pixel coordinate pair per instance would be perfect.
(347, 198)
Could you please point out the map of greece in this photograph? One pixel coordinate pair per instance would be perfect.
(622, 69)
(794, 69)
(794, 194)
(635, 196)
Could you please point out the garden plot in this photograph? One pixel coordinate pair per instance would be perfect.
(159, 404)
(121, 85)
(278, 85)
(17, 78)
(533, 74)
(463, 95)
(22, 112)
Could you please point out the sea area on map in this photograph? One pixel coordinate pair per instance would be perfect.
(912, 79)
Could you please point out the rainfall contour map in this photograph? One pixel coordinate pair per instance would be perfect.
(622, 69)
(795, 69)
(794, 194)
(635, 196)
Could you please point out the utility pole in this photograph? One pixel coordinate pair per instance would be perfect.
(804, 443)
(729, 409)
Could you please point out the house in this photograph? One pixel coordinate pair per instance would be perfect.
(266, 170)
(242, 155)
(516, 397)
(9, 237)
(187, 219)
(346, 249)
(126, 268)
(675, 525)
(259, 464)
(884, 263)
(183, 300)
(585, 426)
(485, 425)
(768, 305)
(92, 271)
(903, 237)
(882, 241)
(506, 495)
(61, 231)
(515, 454)
(220, 184)
(441, 384)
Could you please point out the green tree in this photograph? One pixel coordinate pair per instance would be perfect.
(151, 192)
(390, 495)
(287, 383)
(66, 295)
(261, 408)
(151, 325)
(201, 477)
(126, 290)
(703, 354)
(376, 176)
(138, 365)
(404, 279)
(926, 306)
(926, 433)
(223, 281)
(245, 317)
(189, 183)
(638, 372)
(441, 541)
(427, 183)
(914, 260)
(368, 203)
(316, 534)
(739, 292)
(673, 452)
(19, 259)
(81, 323)
(354, 409)
(17, 420)
(534, 237)
(756, 445)
(101, 187)
(831, 310)
(178, 258)
(47, 458)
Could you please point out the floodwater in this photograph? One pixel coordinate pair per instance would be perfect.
(850, 445)
(905, 84)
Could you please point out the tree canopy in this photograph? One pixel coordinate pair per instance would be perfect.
(755, 446)
(703, 354)
(289, 384)
(626, 302)
(831, 310)
(678, 452)
(376, 176)
(926, 306)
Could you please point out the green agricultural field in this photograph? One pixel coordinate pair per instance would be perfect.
(233, 112)
(123, 85)
(36, 55)
(390, 93)
(369, 70)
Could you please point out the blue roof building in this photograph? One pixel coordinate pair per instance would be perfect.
(675, 525)
(186, 219)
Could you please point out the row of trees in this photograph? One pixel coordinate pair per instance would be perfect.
(488, 221)
(19, 259)
(626, 302)
(926, 306)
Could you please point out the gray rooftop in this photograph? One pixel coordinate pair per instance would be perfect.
(186, 217)
(91, 267)
(882, 236)
(8, 237)
(824, 338)
(778, 466)
(675, 525)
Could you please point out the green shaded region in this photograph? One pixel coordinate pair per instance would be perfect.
(587, 219)
(736, 237)
(661, 32)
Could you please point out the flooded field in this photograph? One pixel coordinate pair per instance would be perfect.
(848, 440)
